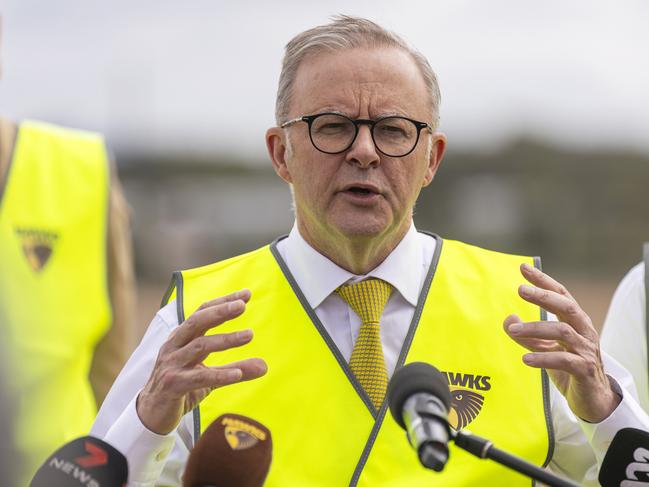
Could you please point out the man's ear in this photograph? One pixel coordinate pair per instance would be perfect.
(438, 146)
(276, 144)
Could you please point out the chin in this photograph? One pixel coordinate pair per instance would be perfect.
(361, 228)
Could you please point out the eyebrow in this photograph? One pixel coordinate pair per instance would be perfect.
(338, 112)
(331, 110)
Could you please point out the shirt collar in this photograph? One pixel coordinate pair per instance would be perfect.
(318, 277)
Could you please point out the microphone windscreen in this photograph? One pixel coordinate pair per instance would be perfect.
(411, 379)
(83, 462)
(627, 459)
(233, 451)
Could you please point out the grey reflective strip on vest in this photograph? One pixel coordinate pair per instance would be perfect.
(321, 329)
(646, 294)
(177, 284)
(545, 382)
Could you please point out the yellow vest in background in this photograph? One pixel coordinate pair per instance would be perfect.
(325, 430)
(54, 303)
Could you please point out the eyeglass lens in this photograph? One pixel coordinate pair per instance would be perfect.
(393, 136)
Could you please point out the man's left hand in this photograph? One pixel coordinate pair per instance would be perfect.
(568, 349)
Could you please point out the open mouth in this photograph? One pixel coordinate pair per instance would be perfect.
(357, 190)
(362, 190)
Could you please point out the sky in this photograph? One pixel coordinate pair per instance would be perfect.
(200, 76)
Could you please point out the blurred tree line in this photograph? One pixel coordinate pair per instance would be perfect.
(585, 212)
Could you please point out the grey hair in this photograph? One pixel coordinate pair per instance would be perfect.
(345, 32)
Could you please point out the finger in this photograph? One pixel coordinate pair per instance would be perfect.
(538, 345)
(199, 348)
(207, 377)
(510, 320)
(533, 344)
(541, 279)
(243, 294)
(251, 368)
(202, 320)
(555, 331)
(565, 307)
(215, 377)
(567, 362)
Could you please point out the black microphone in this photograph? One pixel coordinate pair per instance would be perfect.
(234, 451)
(419, 401)
(84, 462)
(626, 463)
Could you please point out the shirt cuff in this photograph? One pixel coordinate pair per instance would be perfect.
(628, 414)
(145, 451)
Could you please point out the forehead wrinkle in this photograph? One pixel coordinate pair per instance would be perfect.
(376, 102)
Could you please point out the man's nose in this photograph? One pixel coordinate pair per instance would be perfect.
(363, 151)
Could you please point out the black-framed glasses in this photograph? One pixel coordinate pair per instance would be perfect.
(333, 133)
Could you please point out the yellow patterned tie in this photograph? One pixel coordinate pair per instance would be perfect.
(367, 299)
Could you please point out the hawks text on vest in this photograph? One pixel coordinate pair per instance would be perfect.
(478, 382)
(466, 403)
(37, 246)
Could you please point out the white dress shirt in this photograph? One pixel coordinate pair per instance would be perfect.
(160, 459)
(624, 335)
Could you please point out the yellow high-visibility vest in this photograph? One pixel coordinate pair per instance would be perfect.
(54, 302)
(325, 430)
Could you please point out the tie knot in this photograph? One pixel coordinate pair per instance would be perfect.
(367, 298)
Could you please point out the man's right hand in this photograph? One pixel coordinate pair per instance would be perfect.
(180, 380)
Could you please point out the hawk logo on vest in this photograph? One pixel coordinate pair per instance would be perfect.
(466, 402)
(37, 246)
(241, 435)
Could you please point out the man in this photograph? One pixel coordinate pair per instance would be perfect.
(353, 293)
(624, 335)
(66, 286)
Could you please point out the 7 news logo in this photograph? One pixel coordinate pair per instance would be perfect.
(96, 457)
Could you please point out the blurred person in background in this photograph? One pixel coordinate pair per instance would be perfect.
(9, 460)
(67, 285)
(626, 329)
(354, 292)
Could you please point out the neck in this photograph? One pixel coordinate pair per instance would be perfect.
(356, 254)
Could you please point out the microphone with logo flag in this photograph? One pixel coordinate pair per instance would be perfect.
(626, 463)
(84, 462)
(233, 451)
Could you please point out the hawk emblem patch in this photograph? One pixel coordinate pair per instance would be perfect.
(37, 246)
(465, 407)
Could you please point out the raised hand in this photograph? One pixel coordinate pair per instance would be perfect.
(568, 348)
(180, 380)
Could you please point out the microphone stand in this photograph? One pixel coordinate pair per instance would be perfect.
(482, 448)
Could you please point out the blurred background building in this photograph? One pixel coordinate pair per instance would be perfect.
(545, 105)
